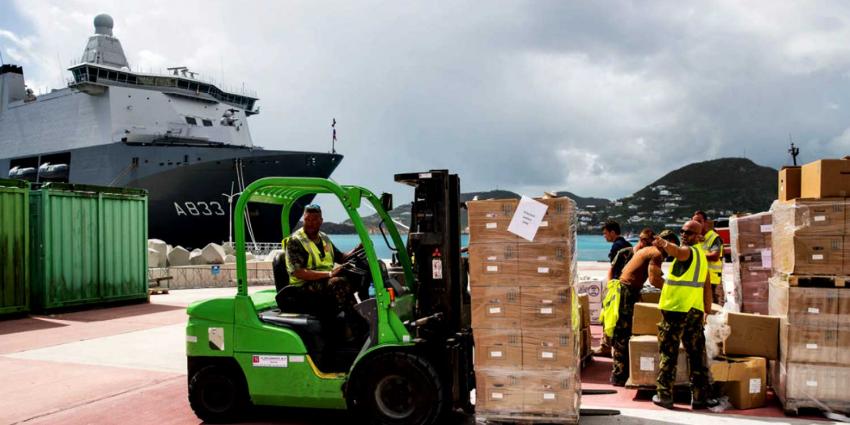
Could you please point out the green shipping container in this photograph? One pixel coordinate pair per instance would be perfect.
(14, 246)
(89, 245)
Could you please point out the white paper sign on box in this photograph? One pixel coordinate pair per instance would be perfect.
(526, 220)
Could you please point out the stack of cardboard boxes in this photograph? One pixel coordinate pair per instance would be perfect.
(810, 263)
(752, 259)
(525, 314)
(586, 338)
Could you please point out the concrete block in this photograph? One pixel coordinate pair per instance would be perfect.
(178, 256)
(213, 254)
(229, 259)
(157, 253)
(196, 258)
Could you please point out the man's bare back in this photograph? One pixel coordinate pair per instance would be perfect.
(645, 264)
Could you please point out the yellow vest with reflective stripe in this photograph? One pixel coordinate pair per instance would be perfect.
(714, 267)
(315, 260)
(684, 292)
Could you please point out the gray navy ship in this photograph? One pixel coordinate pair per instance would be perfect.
(185, 141)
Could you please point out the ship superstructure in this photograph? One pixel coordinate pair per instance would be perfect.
(183, 139)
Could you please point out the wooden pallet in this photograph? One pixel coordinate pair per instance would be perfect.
(586, 360)
(157, 291)
(792, 406)
(526, 419)
(818, 281)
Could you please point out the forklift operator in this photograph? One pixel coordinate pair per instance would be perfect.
(310, 258)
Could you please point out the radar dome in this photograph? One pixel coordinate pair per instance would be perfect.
(103, 24)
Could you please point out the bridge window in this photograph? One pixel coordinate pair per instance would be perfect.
(191, 121)
(207, 123)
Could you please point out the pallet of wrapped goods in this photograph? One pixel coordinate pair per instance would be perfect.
(751, 259)
(811, 386)
(809, 237)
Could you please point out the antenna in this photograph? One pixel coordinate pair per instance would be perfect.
(1, 59)
(794, 151)
(333, 139)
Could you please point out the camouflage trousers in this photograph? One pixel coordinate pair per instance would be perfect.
(687, 328)
(622, 334)
(332, 295)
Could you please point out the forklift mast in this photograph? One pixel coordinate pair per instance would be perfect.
(442, 297)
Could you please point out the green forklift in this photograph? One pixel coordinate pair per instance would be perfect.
(407, 358)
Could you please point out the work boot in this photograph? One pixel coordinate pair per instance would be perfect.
(617, 382)
(665, 402)
(704, 404)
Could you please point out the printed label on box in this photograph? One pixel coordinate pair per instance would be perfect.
(495, 354)
(548, 396)
(492, 268)
(811, 383)
(814, 310)
(647, 364)
(544, 223)
(817, 256)
(820, 218)
(492, 258)
(766, 228)
(491, 225)
(495, 310)
(546, 310)
(811, 346)
(496, 396)
(543, 270)
(547, 355)
(755, 385)
(767, 258)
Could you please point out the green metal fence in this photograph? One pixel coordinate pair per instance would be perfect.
(14, 246)
(89, 245)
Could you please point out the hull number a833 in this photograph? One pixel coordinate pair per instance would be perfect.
(199, 208)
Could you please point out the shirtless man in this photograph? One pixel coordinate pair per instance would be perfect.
(644, 264)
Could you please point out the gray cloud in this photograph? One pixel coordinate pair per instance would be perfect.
(598, 98)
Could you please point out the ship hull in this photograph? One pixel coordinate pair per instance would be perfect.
(187, 185)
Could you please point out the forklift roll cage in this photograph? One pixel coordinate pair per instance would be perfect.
(286, 191)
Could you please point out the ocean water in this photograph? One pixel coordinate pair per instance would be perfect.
(590, 247)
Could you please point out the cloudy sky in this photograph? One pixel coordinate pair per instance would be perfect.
(599, 98)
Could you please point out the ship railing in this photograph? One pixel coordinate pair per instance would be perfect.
(258, 248)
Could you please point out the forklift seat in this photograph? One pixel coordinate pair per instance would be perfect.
(296, 322)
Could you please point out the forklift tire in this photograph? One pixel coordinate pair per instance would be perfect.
(218, 394)
(396, 388)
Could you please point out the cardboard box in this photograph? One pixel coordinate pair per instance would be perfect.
(816, 255)
(825, 178)
(809, 217)
(755, 307)
(595, 289)
(587, 341)
(825, 383)
(812, 307)
(546, 307)
(495, 307)
(650, 297)
(746, 244)
(489, 220)
(545, 263)
(493, 264)
(584, 306)
(744, 380)
(643, 361)
(842, 347)
(546, 349)
(559, 221)
(556, 394)
(752, 335)
(498, 348)
(647, 316)
(760, 224)
(596, 314)
(843, 301)
(498, 391)
(808, 345)
(755, 291)
(789, 183)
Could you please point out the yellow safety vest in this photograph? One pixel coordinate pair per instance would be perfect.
(684, 292)
(714, 267)
(611, 307)
(315, 260)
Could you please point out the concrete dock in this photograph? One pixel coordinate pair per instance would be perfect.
(127, 365)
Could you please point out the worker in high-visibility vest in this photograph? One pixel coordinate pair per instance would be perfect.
(712, 244)
(685, 300)
(623, 293)
(310, 259)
